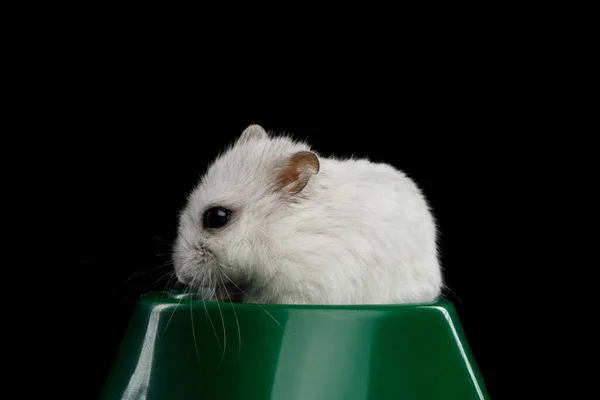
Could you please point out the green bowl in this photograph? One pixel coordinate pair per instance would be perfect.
(177, 347)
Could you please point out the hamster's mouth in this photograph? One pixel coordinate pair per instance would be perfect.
(229, 293)
(224, 292)
(234, 294)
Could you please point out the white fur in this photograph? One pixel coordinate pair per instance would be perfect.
(359, 233)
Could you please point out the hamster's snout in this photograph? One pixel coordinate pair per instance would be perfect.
(198, 267)
(190, 259)
(184, 278)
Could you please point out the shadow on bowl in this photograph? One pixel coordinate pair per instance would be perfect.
(178, 347)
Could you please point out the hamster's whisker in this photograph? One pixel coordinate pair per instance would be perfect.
(211, 323)
(135, 274)
(245, 294)
(179, 251)
(172, 273)
(167, 274)
(166, 265)
(212, 288)
(194, 330)
(171, 282)
(235, 314)
(187, 241)
(224, 266)
(168, 277)
(172, 313)
(193, 285)
(224, 334)
(139, 273)
(142, 272)
(162, 241)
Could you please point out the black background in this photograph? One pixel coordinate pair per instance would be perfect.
(123, 212)
(112, 115)
(134, 129)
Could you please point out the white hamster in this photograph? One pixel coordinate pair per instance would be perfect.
(272, 221)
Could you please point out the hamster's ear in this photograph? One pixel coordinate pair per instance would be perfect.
(252, 132)
(297, 171)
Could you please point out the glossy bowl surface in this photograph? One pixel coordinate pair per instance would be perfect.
(177, 347)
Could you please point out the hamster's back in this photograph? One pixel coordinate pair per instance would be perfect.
(378, 189)
(372, 220)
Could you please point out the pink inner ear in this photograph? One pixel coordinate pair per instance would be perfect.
(298, 170)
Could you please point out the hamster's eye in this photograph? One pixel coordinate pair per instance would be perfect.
(216, 217)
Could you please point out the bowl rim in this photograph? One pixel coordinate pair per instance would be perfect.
(176, 297)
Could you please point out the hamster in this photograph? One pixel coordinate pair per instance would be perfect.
(272, 221)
